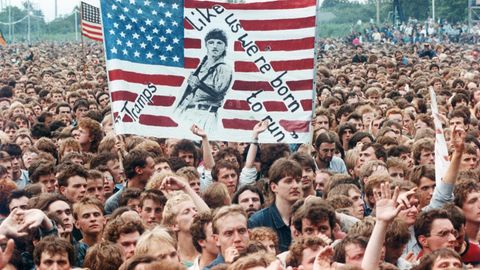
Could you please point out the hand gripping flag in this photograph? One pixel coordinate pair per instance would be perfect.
(221, 66)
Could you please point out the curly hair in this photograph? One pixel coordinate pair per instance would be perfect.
(94, 130)
(120, 226)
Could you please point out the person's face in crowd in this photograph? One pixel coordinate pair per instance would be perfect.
(407, 158)
(427, 157)
(352, 99)
(57, 97)
(476, 96)
(19, 110)
(240, 146)
(117, 171)
(169, 145)
(310, 228)
(64, 212)
(23, 142)
(21, 123)
(93, 107)
(127, 243)
(80, 112)
(148, 170)
(232, 232)
(30, 91)
(187, 211)
(471, 207)
(76, 134)
(215, 48)
(442, 235)
(214, 148)
(469, 162)
(57, 261)
(457, 122)
(103, 101)
(84, 138)
(64, 115)
(90, 220)
(49, 182)
(320, 179)
(108, 184)
(371, 74)
(447, 263)
(249, 201)
(354, 254)
(162, 167)
(460, 239)
(95, 189)
(11, 132)
(134, 204)
(151, 212)
(357, 123)
(374, 98)
(325, 152)
(367, 118)
(408, 124)
(188, 157)
(325, 94)
(308, 177)
(409, 215)
(194, 183)
(16, 166)
(367, 155)
(321, 121)
(396, 173)
(163, 252)
(358, 203)
(229, 177)
(287, 189)
(437, 85)
(359, 50)
(20, 203)
(232, 159)
(209, 244)
(71, 101)
(270, 246)
(75, 190)
(376, 126)
(334, 106)
(425, 191)
(308, 258)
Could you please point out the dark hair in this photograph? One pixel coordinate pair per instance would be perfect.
(284, 167)
(135, 158)
(12, 149)
(198, 228)
(53, 245)
(40, 168)
(423, 224)
(102, 159)
(129, 194)
(305, 160)
(357, 137)
(40, 130)
(242, 189)
(325, 137)
(224, 164)
(427, 261)
(69, 171)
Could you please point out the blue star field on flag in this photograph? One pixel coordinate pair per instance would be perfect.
(148, 32)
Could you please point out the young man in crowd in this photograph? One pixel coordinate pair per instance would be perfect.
(203, 240)
(250, 198)
(72, 182)
(125, 233)
(89, 219)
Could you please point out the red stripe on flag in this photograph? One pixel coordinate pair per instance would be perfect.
(134, 77)
(93, 37)
(239, 124)
(255, 86)
(191, 62)
(286, 4)
(282, 45)
(192, 43)
(240, 105)
(95, 26)
(269, 25)
(157, 120)
(86, 31)
(293, 125)
(279, 24)
(120, 95)
(275, 106)
(306, 104)
(165, 101)
(241, 66)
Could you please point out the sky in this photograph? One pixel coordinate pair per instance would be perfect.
(65, 7)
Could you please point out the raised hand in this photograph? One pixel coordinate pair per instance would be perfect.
(172, 183)
(404, 198)
(33, 218)
(10, 227)
(387, 207)
(458, 139)
(198, 131)
(259, 128)
(323, 261)
(6, 255)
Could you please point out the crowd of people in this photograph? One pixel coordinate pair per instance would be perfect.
(362, 195)
(414, 31)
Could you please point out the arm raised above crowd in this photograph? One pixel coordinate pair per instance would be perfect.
(386, 209)
(172, 183)
(208, 161)
(252, 150)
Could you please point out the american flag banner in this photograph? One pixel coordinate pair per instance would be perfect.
(91, 25)
(221, 66)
